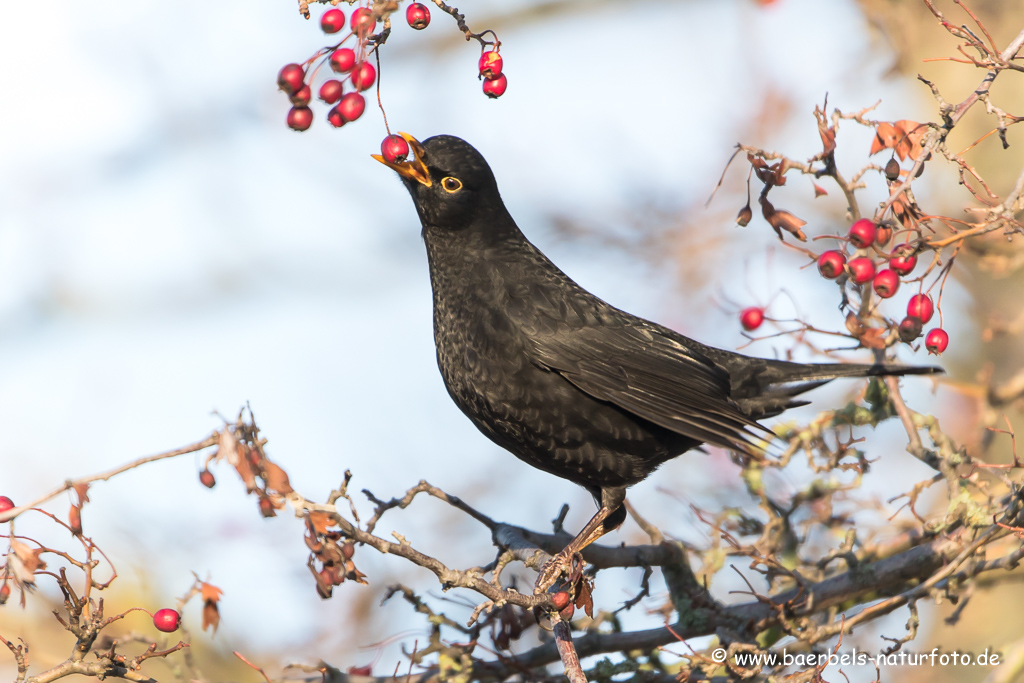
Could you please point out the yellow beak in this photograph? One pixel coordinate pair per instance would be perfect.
(415, 168)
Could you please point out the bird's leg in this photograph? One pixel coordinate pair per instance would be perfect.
(609, 517)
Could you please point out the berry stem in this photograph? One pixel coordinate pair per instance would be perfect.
(380, 104)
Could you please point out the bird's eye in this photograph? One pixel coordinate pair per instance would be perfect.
(451, 184)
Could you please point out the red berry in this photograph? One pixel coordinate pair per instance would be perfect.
(290, 78)
(560, 599)
(332, 21)
(302, 96)
(920, 306)
(342, 60)
(490, 65)
(910, 328)
(863, 233)
(395, 149)
(5, 503)
(351, 106)
(495, 88)
(831, 263)
(886, 283)
(5, 591)
(335, 118)
(331, 91)
(751, 318)
(418, 16)
(362, 22)
(902, 260)
(300, 118)
(207, 479)
(883, 235)
(936, 341)
(861, 269)
(167, 620)
(364, 76)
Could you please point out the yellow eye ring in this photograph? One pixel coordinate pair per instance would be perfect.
(451, 184)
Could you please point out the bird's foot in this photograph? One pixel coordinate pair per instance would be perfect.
(565, 562)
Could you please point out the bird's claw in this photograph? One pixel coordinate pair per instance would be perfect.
(562, 563)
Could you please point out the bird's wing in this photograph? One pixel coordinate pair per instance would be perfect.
(646, 371)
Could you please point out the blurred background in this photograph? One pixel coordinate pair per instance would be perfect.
(169, 248)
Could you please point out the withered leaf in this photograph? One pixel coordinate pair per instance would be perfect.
(873, 338)
(210, 592)
(277, 479)
(819, 191)
(321, 521)
(83, 493)
(885, 137)
(211, 616)
(75, 520)
(910, 134)
(783, 220)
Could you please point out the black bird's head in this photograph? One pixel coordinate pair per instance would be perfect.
(450, 183)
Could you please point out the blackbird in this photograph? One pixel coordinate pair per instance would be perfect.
(563, 380)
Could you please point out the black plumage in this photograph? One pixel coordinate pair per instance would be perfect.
(563, 380)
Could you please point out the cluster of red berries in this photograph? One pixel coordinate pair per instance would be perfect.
(350, 65)
(885, 281)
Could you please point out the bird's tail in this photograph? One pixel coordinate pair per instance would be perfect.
(773, 388)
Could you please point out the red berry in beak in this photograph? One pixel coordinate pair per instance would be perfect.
(863, 233)
(886, 282)
(751, 318)
(418, 16)
(936, 341)
(920, 306)
(861, 270)
(332, 21)
(394, 149)
(831, 264)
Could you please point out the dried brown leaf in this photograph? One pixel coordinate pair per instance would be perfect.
(277, 479)
(885, 137)
(211, 616)
(210, 592)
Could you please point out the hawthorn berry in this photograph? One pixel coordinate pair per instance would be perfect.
(5, 592)
(892, 170)
(883, 235)
(362, 22)
(560, 600)
(920, 306)
(886, 282)
(496, 88)
(332, 21)
(6, 504)
(902, 260)
(861, 269)
(343, 59)
(744, 216)
(936, 341)
(290, 78)
(167, 620)
(831, 263)
(418, 16)
(364, 76)
(862, 233)
(490, 65)
(751, 318)
(207, 479)
(302, 96)
(351, 106)
(395, 149)
(910, 328)
(331, 91)
(300, 118)
(335, 118)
